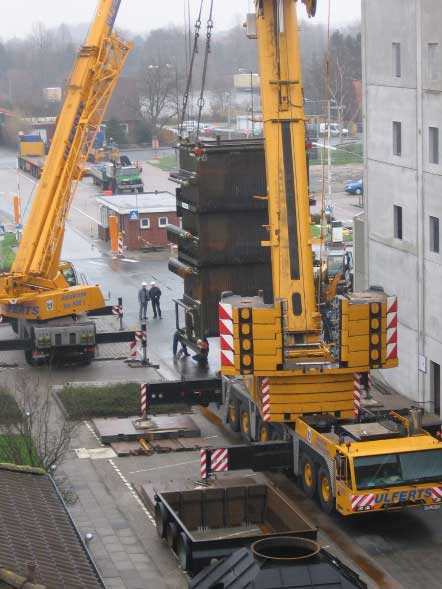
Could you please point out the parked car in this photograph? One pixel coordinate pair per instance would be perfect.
(334, 130)
(355, 187)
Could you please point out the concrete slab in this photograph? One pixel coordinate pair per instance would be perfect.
(95, 453)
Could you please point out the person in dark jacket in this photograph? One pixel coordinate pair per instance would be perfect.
(155, 294)
(143, 299)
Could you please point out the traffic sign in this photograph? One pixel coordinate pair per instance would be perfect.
(134, 215)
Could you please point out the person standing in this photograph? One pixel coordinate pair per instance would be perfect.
(143, 299)
(155, 294)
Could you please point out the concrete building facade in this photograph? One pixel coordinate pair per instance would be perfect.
(402, 74)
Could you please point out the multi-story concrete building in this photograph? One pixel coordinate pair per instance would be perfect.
(402, 69)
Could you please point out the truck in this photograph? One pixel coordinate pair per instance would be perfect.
(116, 177)
(41, 296)
(294, 365)
(31, 154)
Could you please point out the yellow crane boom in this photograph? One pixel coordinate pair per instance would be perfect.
(35, 278)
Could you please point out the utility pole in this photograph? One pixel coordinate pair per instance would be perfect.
(329, 179)
(251, 98)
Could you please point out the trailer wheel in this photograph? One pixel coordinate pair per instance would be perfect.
(325, 492)
(308, 475)
(233, 414)
(245, 423)
(161, 519)
(183, 552)
(171, 535)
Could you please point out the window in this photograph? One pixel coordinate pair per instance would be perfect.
(434, 235)
(403, 468)
(396, 54)
(397, 213)
(397, 138)
(433, 59)
(163, 221)
(433, 145)
(145, 223)
(435, 386)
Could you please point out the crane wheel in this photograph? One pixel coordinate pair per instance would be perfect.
(264, 432)
(308, 475)
(245, 423)
(325, 492)
(233, 414)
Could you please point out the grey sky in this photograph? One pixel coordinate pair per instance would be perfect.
(142, 15)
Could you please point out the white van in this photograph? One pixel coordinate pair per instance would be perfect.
(334, 129)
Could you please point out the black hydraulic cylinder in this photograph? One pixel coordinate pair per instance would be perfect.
(181, 269)
(174, 234)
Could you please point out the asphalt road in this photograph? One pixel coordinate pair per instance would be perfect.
(393, 549)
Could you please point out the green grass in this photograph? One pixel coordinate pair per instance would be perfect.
(167, 163)
(9, 410)
(16, 449)
(346, 153)
(120, 400)
(7, 251)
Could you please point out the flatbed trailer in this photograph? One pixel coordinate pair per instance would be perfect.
(32, 164)
(200, 525)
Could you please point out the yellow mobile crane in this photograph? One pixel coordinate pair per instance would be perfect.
(291, 370)
(39, 292)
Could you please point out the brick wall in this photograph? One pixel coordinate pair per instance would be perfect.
(136, 237)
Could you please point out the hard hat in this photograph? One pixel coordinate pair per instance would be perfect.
(144, 284)
(152, 284)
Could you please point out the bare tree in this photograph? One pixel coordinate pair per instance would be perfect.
(157, 94)
(34, 430)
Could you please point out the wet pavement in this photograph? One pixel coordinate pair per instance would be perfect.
(404, 546)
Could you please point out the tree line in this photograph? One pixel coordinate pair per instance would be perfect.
(157, 71)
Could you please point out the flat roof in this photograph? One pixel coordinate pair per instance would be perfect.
(146, 202)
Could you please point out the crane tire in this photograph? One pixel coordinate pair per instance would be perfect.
(325, 493)
(308, 475)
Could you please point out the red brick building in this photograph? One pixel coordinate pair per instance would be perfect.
(142, 218)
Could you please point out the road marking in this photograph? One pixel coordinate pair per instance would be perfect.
(128, 260)
(96, 263)
(85, 214)
(133, 492)
(167, 466)
(91, 429)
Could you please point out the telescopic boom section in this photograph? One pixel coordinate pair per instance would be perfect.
(286, 166)
(91, 83)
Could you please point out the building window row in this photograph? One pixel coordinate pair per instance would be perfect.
(433, 142)
(145, 222)
(433, 68)
(434, 238)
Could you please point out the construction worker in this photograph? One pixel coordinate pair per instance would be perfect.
(177, 339)
(202, 357)
(155, 294)
(143, 299)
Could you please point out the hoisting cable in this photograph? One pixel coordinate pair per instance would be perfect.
(206, 59)
(189, 77)
(323, 207)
